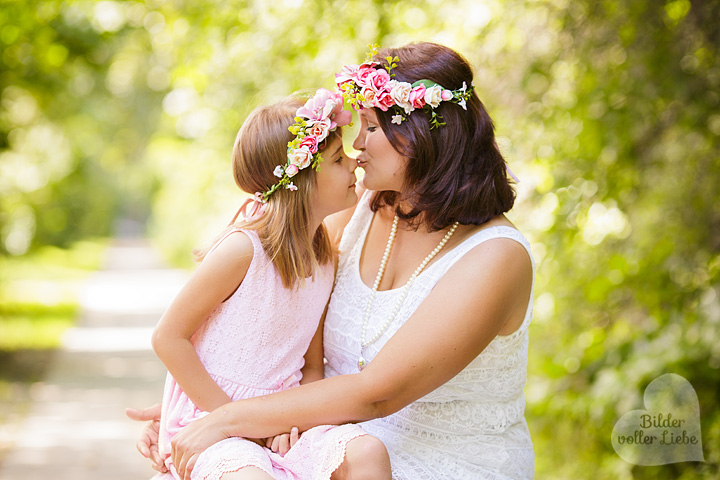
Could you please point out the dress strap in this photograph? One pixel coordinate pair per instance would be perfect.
(500, 231)
(437, 270)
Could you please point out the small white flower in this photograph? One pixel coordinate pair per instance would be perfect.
(278, 172)
(462, 103)
(464, 87)
(291, 186)
(397, 119)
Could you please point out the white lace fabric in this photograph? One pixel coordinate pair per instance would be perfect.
(472, 427)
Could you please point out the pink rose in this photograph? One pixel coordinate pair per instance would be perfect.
(300, 157)
(379, 80)
(363, 72)
(384, 100)
(319, 128)
(416, 98)
(291, 170)
(447, 95)
(340, 117)
(310, 142)
(319, 105)
(347, 74)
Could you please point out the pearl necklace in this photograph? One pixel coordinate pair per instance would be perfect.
(362, 363)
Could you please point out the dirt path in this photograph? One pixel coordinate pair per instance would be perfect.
(76, 428)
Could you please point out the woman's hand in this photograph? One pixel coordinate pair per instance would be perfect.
(283, 443)
(147, 444)
(195, 438)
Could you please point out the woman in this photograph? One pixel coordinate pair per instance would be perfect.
(426, 332)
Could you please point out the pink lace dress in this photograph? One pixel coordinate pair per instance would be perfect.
(253, 344)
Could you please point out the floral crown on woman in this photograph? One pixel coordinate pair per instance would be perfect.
(368, 85)
(321, 114)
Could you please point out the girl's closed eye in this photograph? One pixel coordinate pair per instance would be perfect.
(371, 128)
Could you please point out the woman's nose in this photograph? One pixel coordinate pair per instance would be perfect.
(359, 142)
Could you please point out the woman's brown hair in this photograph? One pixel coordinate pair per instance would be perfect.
(260, 146)
(454, 172)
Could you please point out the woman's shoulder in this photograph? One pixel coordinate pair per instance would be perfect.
(497, 242)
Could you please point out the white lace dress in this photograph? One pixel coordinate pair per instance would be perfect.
(472, 427)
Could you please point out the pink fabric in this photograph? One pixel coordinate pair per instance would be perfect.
(253, 344)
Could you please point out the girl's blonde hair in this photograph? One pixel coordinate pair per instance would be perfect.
(260, 146)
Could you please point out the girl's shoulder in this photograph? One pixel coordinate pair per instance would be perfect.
(233, 250)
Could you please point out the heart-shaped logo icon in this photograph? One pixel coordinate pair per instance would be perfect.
(668, 431)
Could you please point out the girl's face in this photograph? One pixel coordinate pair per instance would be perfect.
(384, 166)
(335, 188)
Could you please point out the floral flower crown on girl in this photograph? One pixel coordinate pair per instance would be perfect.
(367, 86)
(314, 121)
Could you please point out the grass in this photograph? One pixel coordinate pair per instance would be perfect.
(38, 294)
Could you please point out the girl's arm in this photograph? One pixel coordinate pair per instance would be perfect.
(453, 325)
(216, 279)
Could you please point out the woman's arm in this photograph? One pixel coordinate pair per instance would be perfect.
(454, 324)
(215, 279)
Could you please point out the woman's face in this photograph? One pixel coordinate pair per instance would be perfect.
(335, 181)
(384, 166)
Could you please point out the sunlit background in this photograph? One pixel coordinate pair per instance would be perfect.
(118, 117)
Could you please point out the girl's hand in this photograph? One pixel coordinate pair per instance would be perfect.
(283, 443)
(195, 438)
(147, 444)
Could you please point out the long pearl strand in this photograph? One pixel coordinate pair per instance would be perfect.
(362, 363)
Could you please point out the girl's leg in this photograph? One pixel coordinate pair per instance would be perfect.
(247, 473)
(366, 458)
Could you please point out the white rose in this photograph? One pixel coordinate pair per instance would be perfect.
(369, 95)
(400, 93)
(433, 96)
(300, 157)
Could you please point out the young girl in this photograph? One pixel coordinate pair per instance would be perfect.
(247, 322)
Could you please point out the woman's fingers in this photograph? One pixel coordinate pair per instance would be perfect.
(149, 413)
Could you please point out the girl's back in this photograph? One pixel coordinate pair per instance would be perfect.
(256, 339)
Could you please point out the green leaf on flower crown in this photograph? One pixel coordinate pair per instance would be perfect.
(425, 82)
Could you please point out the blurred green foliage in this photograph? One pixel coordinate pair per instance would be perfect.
(39, 294)
(607, 110)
